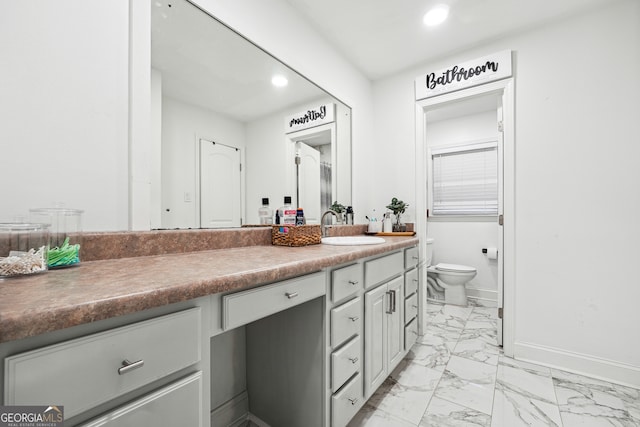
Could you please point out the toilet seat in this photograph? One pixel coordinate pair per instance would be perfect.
(454, 268)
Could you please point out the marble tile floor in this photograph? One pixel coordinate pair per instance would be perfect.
(456, 375)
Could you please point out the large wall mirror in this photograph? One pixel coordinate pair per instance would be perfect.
(221, 126)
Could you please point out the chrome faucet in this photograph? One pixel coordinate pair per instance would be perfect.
(324, 227)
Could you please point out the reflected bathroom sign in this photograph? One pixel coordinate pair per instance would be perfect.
(312, 117)
(464, 75)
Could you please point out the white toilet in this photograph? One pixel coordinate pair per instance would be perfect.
(451, 277)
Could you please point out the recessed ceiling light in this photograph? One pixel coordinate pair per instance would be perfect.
(436, 16)
(279, 80)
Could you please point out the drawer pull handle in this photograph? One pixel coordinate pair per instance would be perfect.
(352, 400)
(414, 257)
(353, 360)
(291, 294)
(354, 318)
(415, 280)
(353, 282)
(129, 366)
(414, 306)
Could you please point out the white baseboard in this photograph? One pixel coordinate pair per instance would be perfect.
(231, 413)
(583, 364)
(483, 297)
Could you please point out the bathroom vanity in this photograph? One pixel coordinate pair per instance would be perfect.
(292, 336)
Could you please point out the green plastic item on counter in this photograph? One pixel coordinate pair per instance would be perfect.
(63, 256)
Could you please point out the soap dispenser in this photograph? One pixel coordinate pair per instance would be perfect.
(349, 215)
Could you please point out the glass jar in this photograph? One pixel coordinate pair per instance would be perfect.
(23, 248)
(66, 234)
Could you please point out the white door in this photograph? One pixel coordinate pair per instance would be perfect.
(309, 182)
(500, 218)
(376, 304)
(220, 186)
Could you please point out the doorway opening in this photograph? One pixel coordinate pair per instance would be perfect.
(312, 160)
(479, 121)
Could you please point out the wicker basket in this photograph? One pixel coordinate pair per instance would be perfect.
(299, 235)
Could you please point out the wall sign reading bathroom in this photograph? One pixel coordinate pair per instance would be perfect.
(465, 74)
(312, 117)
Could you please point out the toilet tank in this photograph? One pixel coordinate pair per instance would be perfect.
(429, 251)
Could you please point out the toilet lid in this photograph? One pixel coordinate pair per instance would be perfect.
(455, 267)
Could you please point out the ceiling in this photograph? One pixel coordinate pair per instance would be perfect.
(204, 63)
(382, 37)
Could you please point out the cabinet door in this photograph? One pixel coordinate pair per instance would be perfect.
(377, 306)
(395, 323)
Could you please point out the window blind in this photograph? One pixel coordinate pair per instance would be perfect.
(465, 181)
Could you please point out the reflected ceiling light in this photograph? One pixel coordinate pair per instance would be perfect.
(279, 80)
(436, 16)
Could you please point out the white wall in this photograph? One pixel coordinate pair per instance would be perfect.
(64, 109)
(461, 240)
(576, 194)
(266, 171)
(182, 126)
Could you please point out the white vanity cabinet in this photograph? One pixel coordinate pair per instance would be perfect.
(384, 332)
(384, 318)
(345, 344)
(84, 373)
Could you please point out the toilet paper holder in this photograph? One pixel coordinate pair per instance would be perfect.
(492, 253)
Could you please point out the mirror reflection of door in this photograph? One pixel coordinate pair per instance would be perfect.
(220, 185)
(314, 183)
(309, 175)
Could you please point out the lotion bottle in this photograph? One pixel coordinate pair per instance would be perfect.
(265, 213)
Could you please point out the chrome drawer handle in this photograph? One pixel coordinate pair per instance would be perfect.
(414, 306)
(353, 360)
(354, 318)
(352, 400)
(129, 366)
(291, 294)
(353, 282)
(414, 257)
(415, 280)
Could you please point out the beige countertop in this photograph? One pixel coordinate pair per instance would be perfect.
(97, 290)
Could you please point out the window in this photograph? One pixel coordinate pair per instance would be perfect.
(465, 179)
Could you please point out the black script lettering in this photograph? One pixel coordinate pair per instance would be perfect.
(492, 65)
(457, 74)
(310, 115)
(431, 81)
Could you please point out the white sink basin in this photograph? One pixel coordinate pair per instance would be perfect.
(352, 240)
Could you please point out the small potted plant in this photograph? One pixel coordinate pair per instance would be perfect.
(398, 207)
(340, 209)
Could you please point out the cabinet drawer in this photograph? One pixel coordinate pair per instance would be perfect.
(345, 282)
(346, 362)
(380, 269)
(87, 371)
(346, 402)
(410, 334)
(411, 257)
(244, 307)
(178, 404)
(411, 281)
(410, 308)
(346, 321)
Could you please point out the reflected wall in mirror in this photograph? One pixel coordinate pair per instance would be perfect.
(220, 123)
